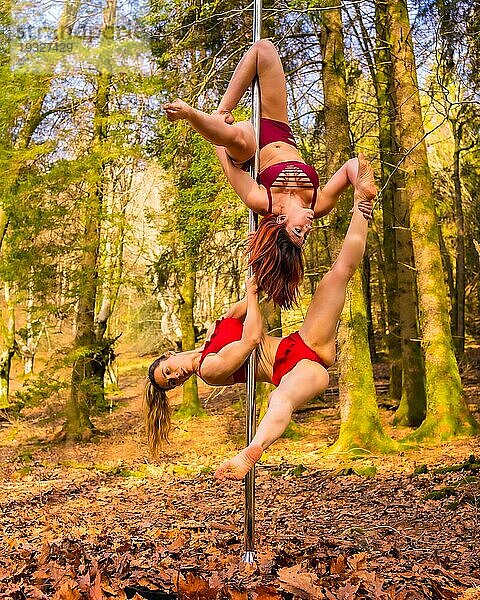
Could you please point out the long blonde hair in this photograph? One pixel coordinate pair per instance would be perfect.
(158, 413)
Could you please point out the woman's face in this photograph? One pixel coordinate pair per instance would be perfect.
(173, 371)
(298, 224)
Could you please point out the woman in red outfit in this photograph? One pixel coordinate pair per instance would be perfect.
(287, 194)
(296, 364)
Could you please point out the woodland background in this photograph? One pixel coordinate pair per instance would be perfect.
(119, 238)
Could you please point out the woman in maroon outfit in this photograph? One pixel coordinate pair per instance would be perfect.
(287, 194)
(297, 364)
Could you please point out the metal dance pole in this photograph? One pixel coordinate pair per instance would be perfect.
(249, 530)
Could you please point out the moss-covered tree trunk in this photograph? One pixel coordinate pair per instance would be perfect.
(412, 408)
(360, 430)
(366, 284)
(382, 82)
(407, 380)
(190, 402)
(447, 412)
(87, 385)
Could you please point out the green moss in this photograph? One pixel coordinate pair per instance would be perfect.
(471, 464)
(440, 494)
(187, 411)
(294, 431)
(400, 418)
(442, 427)
(420, 470)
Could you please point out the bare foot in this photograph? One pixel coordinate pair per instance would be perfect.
(176, 110)
(237, 467)
(365, 189)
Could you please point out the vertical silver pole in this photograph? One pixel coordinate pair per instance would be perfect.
(249, 528)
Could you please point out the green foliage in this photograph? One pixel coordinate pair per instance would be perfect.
(47, 385)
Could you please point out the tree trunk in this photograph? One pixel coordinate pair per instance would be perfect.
(447, 267)
(367, 273)
(32, 337)
(190, 402)
(360, 430)
(447, 412)
(382, 319)
(87, 383)
(459, 298)
(401, 288)
(384, 111)
(411, 410)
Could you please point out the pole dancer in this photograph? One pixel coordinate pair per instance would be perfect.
(287, 191)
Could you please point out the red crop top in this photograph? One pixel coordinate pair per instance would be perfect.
(227, 330)
(291, 350)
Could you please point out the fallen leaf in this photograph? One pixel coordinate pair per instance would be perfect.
(265, 593)
(303, 584)
(358, 561)
(348, 591)
(95, 592)
(67, 591)
(338, 564)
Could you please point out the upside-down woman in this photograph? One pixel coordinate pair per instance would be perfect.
(296, 364)
(288, 193)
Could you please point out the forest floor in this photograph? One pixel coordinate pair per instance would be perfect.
(100, 520)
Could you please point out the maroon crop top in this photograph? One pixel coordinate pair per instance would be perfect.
(291, 173)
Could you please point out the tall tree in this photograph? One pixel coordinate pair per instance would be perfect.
(89, 352)
(447, 412)
(360, 428)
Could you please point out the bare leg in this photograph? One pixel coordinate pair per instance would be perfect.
(238, 139)
(292, 392)
(319, 327)
(262, 59)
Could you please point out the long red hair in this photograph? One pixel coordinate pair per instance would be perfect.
(276, 262)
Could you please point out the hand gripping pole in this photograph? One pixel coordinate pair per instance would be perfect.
(249, 528)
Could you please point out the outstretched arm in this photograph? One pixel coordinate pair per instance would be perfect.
(218, 128)
(244, 185)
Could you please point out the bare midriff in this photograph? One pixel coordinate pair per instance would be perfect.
(275, 153)
(266, 353)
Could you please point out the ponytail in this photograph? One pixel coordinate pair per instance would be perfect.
(157, 411)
